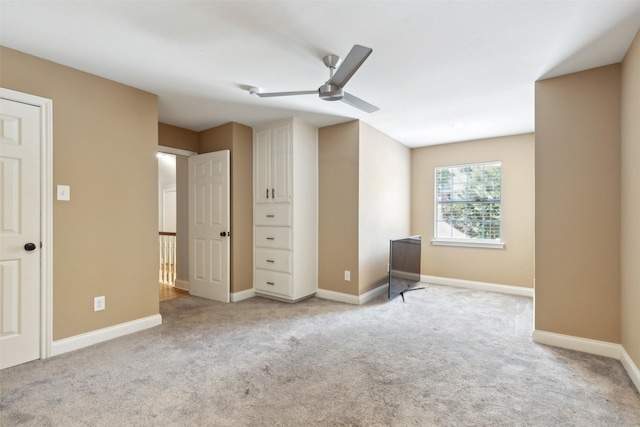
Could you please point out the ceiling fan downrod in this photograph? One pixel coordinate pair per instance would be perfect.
(328, 91)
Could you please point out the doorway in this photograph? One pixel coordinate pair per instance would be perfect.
(167, 219)
(174, 182)
(172, 230)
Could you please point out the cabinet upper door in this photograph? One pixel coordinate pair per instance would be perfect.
(262, 159)
(280, 174)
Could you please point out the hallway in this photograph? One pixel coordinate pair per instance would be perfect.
(170, 292)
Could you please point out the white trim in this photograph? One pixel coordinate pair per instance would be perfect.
(630, 367)
(94, 337)
(176, 151)
(182, 284)
(468, 243)
(337, 296)
(352, 299)
(242, 295)
(373, 294)
(479, 286)
(46, 212)
(585, 345)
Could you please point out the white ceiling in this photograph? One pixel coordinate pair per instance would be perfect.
(440, 71)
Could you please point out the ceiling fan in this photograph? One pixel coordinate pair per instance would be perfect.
(333, 89)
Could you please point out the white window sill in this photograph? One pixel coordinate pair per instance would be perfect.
(469, 243)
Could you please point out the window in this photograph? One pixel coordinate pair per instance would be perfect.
(468, 205)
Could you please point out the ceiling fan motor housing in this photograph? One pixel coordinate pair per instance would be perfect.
(330, 92)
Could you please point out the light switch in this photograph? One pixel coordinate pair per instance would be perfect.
(64, 192)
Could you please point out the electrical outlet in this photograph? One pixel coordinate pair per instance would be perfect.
(98, 303)
(347, 275)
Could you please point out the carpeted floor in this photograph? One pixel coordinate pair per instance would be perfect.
(446, 357)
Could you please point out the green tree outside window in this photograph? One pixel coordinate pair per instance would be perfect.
(468, 201)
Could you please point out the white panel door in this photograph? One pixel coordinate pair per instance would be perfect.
(281, 164)
(261, 158)
(19, 233)
(209, 225)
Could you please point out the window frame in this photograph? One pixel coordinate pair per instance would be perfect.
(465, 242)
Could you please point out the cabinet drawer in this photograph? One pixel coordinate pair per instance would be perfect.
(274, 260)
(273, 237)
(272, 215)
(272, 282)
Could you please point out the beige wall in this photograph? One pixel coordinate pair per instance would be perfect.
(512, 265)
(242, 202)
(338, 159)
(364, 185)
(578, 204)
(105, 137)
(176, 137)
(630, 227)
(384, 203)
(238, 139)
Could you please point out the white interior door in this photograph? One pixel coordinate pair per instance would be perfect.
(19, 233)
(209, 225)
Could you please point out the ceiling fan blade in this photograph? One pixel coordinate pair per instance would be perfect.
(273, 94)
(350, 65)
(354, 101)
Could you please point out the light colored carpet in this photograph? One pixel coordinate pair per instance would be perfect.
(446, 357)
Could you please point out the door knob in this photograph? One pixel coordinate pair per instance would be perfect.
(223, 233)
(30, 247)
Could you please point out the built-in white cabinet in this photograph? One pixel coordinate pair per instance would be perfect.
(285, 210)
(272, 172)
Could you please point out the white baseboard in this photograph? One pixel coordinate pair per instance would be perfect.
(585, 345)
(352, 299)
(242, 295)
(374, 293)
(630, 367)
(94, 337)
(337, 296)
(182, 284)
(478, 286)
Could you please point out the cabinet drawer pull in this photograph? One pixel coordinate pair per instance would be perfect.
(273, 193)
(267, 193)
(270, 216)
(271, 261)
(270, 283)
(271, 238)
